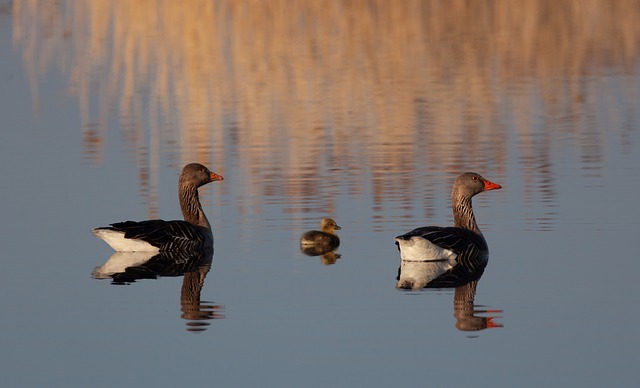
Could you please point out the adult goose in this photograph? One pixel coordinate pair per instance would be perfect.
(460, 251)
(163, 236)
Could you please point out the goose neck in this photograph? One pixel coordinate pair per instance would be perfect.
(463, 216)
(191, 207)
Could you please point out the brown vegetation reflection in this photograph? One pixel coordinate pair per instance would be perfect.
(293, 94)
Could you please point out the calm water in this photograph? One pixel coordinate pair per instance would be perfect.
(362, 111)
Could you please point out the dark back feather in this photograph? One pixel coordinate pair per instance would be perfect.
(166, 235)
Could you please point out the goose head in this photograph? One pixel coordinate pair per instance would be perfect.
(196, 175)
(471, 183)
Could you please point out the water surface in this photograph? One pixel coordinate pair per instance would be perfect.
(362, 111)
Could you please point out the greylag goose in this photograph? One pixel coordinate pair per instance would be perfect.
(323, 238)
(161, 236)
(460, 252)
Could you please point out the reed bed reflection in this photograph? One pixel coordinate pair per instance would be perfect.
(295, 93)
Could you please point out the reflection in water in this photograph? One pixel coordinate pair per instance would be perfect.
(420, 274)
(379, 95)
(127, 267)
(436, 275)
(328, 255)
(464, 310)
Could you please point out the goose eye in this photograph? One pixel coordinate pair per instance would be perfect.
(475, 178)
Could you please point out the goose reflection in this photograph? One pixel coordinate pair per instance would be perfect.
(323, 242)
(128, 267)
(440, 275)
(464, 310)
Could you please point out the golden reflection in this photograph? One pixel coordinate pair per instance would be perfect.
(128, 267)
(287, 91)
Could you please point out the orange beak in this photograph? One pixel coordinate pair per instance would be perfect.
(215, 177)
(488, 185)
(491, 324)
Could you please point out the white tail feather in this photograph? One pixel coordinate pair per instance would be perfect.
(117, 241)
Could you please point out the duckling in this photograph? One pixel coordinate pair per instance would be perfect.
(325, 237)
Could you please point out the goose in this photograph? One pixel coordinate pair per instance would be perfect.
(164, 236)
(460, 251)
(323, 238)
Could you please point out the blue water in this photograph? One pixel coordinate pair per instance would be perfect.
(560, 282)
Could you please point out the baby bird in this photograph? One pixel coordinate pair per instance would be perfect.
(325, 237)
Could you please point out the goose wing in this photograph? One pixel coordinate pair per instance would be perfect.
(166, 235)
(465, 243)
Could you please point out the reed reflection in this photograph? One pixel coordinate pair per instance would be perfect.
(383, 94)
(193, 266)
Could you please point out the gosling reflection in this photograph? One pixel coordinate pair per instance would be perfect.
(128, 267)
(323, 242)
(438, 275)
(328, 257)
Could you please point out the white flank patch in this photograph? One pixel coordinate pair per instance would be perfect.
(117, 241)
(420, 249)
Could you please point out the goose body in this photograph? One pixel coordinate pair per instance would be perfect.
(165, 236)
(323, 238)
(460, 252)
